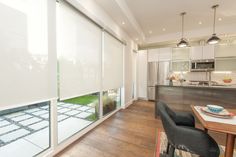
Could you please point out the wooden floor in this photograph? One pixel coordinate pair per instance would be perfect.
(128, 133)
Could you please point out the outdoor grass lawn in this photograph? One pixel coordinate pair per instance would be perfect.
(83, 100)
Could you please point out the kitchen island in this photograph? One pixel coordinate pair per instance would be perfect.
(182, 97)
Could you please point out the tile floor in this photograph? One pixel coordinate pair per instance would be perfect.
(30, 128)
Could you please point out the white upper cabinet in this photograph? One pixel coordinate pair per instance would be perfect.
(196, 53)
(202, 52)
(164, 54)
(153, 55)
(208, 52)
(225, 51)
(161, 54)
(225, 64)
(180, 53)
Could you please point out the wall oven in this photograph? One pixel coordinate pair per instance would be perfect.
(203, 65)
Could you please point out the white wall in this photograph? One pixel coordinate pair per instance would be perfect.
(128, 79)
(142, 74)
(135, 77)
(93, 10)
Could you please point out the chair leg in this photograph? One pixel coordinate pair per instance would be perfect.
(168, 147)
(171, 151)
(165, 154)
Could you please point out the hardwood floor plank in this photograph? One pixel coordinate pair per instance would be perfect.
(127, 136)
(84, 150)
(107, 144)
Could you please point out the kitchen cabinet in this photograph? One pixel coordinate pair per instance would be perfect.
(225, 50)
(180, 66)
(196, 53)
(208, 52)
(202, 52)
(180, 53)
(164, 54)
(161, 54)
(225, 64)
(153, 55)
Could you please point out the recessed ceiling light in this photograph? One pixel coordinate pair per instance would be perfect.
(136, 39)
(220, 19)
(150, 32)
(200, 22)
(123, 23)
(163, 29)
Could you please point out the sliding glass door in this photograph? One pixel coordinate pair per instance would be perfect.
(112, 78)
(76, 114)
(79, 58)
(28, 79)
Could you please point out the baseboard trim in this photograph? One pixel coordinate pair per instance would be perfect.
(142, 98)
(129, 103)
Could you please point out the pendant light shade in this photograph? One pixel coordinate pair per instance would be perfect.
(183, 42)
(214, 39)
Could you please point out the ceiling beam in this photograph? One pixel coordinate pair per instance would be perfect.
(129, 15)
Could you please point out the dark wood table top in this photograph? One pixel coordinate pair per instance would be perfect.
(214, 126)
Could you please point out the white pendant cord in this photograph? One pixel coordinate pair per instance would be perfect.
(182, 26)
(182, 14)
(214, 22)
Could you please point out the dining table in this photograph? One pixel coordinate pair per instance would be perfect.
(227, 126)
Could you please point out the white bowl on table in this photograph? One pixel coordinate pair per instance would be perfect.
(215, 108)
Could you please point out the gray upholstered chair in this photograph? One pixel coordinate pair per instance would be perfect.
(182, 134)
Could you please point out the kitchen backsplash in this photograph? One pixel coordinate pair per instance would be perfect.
(215, 76)
(195, 76)
(219, 77)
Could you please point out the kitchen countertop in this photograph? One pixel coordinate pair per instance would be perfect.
(227, 87)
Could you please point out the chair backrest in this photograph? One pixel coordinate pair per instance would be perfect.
(167, 116)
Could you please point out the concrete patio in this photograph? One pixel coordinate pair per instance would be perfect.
(26, 132)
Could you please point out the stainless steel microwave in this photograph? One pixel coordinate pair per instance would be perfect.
(203, 65)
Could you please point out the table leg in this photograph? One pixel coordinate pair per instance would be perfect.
(229, 147)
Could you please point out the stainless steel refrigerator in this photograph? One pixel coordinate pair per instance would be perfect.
(157, 74)
(163, 72)
(152, 79)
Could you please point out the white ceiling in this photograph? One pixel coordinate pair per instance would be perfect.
(143, 16)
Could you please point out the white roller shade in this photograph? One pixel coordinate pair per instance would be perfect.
(25, 63)
(112, 63)
(79, 47)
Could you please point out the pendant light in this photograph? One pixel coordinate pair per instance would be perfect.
(183, 42)
(214, 39)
